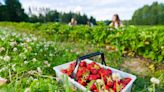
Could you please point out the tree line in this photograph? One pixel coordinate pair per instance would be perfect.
(55, 16)
(12, 10)
(149, 15)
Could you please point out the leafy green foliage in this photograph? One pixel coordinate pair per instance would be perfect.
(43, 46)
(149, 15)
(12, 11)
(143, 41)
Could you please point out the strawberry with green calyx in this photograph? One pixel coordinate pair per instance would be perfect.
(82, 81)
(81, 71)
(86, 75)
(104, 78)
(122, 86)
(105, 87)
(96, 66)
(111, 90)
(116, 86)
(93, 87)
(105, 72)
(98, 86)
(93, 65)
(69, 70)
(110, 82)
(66, 71)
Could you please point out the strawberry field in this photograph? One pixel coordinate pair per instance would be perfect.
(29, 51)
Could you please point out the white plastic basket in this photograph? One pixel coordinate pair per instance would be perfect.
(59, 74)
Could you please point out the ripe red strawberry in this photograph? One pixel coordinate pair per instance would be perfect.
(98, 76)
(82, 81)
(125, 81)
(93, 87)
(87, 78)
(89, 66)
(81, 71)
(83, 64)
(110, 84)
(79, 74)
(71, 67)
(64, 71)
(123, 85)
(101, 70)
(96, 90)
(116, 87)
(105, 79)
(94, 71)
(107, 87)
(104, 72)
(93, 77)
(69, 72)
(93, 65)
(109, 71)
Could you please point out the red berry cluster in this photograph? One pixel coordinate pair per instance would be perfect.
(102, 78)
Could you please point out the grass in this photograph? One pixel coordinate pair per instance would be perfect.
(27, 67)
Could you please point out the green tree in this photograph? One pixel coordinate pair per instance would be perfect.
(92, 20)
(84, 19)
(149, 15)
(52, 16)
(66, 17)
(3, 13)
(15, 11)
(81, 19)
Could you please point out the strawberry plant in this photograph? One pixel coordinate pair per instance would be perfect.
(28, 51)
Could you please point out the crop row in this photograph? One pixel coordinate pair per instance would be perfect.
(145, 41)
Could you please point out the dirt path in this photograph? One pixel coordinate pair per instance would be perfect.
(137, 66)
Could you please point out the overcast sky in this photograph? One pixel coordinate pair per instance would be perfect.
(100, 9)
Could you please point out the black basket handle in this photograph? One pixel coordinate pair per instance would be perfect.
(85, 57)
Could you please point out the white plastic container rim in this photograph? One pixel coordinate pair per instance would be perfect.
(59, 74)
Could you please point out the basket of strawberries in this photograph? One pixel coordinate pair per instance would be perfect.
(100, 78)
